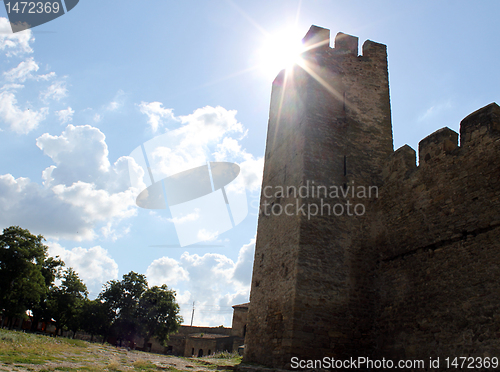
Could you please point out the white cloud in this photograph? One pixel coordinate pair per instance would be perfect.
(227, 148)
(205, 235)
(65, 116)
(194, 142)
(208, 134)
(166, 270)
(187, 218)
(12, 86)
(40, 210)
(14, 43)
(55, 92)
(72, 212)
(155, 113)
(117, 102)
(251, 167)
(84, 178)
(113, 106)
(20, 121)
(109, 232)
(213, 281)
(435, 110)
(80, 153)
(208, 125)
(97, 205)
(82, 194)
(45, 77)
(93, 265)
(23, 71)
(243, 268)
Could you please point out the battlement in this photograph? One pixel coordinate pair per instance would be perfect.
(443, 140)
(346, 44)
(485, 121)
(317, 39)
(401, 162)
(477, 129)
(448, 183)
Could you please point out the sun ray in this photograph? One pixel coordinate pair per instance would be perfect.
(304, 64)
(227, 77)
(282, 97)
(248, 18)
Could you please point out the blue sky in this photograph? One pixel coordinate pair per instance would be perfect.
(80, 93)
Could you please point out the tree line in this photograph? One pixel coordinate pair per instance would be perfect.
(124, 309)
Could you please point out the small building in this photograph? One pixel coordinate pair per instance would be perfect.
(203, 344)
(239, 325)
(191, 341)
(202, 341)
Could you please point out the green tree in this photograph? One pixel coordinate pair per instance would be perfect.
(22, 282)
(122, 300)
(158, 314)
(95, 318)
(51, 269)
(65, 302)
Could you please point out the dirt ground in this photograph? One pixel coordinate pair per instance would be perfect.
(98, 357)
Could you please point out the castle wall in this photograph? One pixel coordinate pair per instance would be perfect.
(438, 233)
(311, 295)
(348, 137)
(239, 324)
(270, 314)
(416, 275)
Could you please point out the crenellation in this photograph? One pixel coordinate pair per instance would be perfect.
(317, 38)
(478, 128)
(401, 161)
(374, 50)
(482, 122)
(346, 44)
(442, 141)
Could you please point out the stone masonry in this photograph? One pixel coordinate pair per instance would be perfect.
(360, 252)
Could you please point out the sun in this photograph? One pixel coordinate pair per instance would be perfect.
(280, 50)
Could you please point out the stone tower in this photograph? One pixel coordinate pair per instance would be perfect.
(329, 135)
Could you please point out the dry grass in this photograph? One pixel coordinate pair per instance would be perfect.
(28, 352)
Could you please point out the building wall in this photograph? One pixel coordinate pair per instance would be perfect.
(178, 345)
(189, 330)
(438, 234)
(329, 125)
(239, 324)
(416, 274)
(195, 344)
(207, 345)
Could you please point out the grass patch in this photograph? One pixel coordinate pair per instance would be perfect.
(26, 348)
(144, 365)
(224, 358)
(35, 352)
(77, 343)
(226, 355)
(114, 366)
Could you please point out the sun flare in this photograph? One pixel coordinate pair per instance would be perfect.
(280, 50)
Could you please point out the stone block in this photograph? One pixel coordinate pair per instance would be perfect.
(441, 141)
